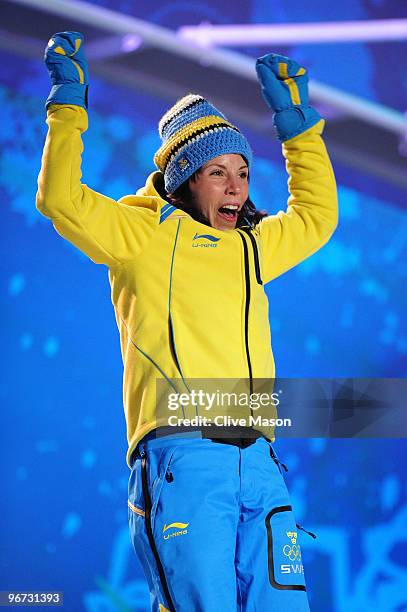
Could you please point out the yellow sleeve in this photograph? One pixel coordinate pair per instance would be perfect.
(291, 236)
(109, 232)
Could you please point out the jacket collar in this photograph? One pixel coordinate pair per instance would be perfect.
(154, 186)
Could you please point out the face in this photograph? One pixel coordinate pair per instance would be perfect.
(220, 189)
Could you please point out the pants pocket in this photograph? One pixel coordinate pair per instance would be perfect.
(135, 501)
(162, 479)
(147, 478)
(285, 568)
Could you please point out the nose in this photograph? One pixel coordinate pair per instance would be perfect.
(233, 185)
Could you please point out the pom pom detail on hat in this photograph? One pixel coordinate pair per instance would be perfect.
(193, 132)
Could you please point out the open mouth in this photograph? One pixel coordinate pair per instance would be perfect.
(229, 212)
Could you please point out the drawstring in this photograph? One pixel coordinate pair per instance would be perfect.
(280, 463)
(305, 531)
(277, 460)
(283, 464)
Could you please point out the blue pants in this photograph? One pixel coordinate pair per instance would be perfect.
(213, 528)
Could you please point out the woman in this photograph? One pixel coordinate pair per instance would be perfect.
(188, 257)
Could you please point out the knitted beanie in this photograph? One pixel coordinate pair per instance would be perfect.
(193, 131)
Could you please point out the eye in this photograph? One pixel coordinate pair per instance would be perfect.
(217, 172)
(243, 175)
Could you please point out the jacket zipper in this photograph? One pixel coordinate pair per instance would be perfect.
(172, 345)
(170, 325)
(150, 535)
(255, 254)
(246, 314)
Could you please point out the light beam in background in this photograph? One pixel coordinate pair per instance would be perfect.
(112, 46)
(208, 35)
(228, 61)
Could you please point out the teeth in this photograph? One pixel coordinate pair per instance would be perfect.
(231, 206)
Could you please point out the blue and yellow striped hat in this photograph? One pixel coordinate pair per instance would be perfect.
(193, 131)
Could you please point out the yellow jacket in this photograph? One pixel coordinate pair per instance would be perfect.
(189, 299)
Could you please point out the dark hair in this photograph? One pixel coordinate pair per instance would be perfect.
(183, 199)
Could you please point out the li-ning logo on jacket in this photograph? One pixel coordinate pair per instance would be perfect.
(182, 530)
(207, 237)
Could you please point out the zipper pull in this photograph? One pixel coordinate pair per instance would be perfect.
(168, 476)
(308, 532)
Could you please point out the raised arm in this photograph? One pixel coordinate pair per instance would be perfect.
(291, 236)
(109, 232)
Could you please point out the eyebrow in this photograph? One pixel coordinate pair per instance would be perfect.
(224, 167)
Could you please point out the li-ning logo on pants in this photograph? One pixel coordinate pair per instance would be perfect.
(181, 527)
(207, 237)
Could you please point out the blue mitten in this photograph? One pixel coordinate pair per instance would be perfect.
(69, 77)
(284, 85)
